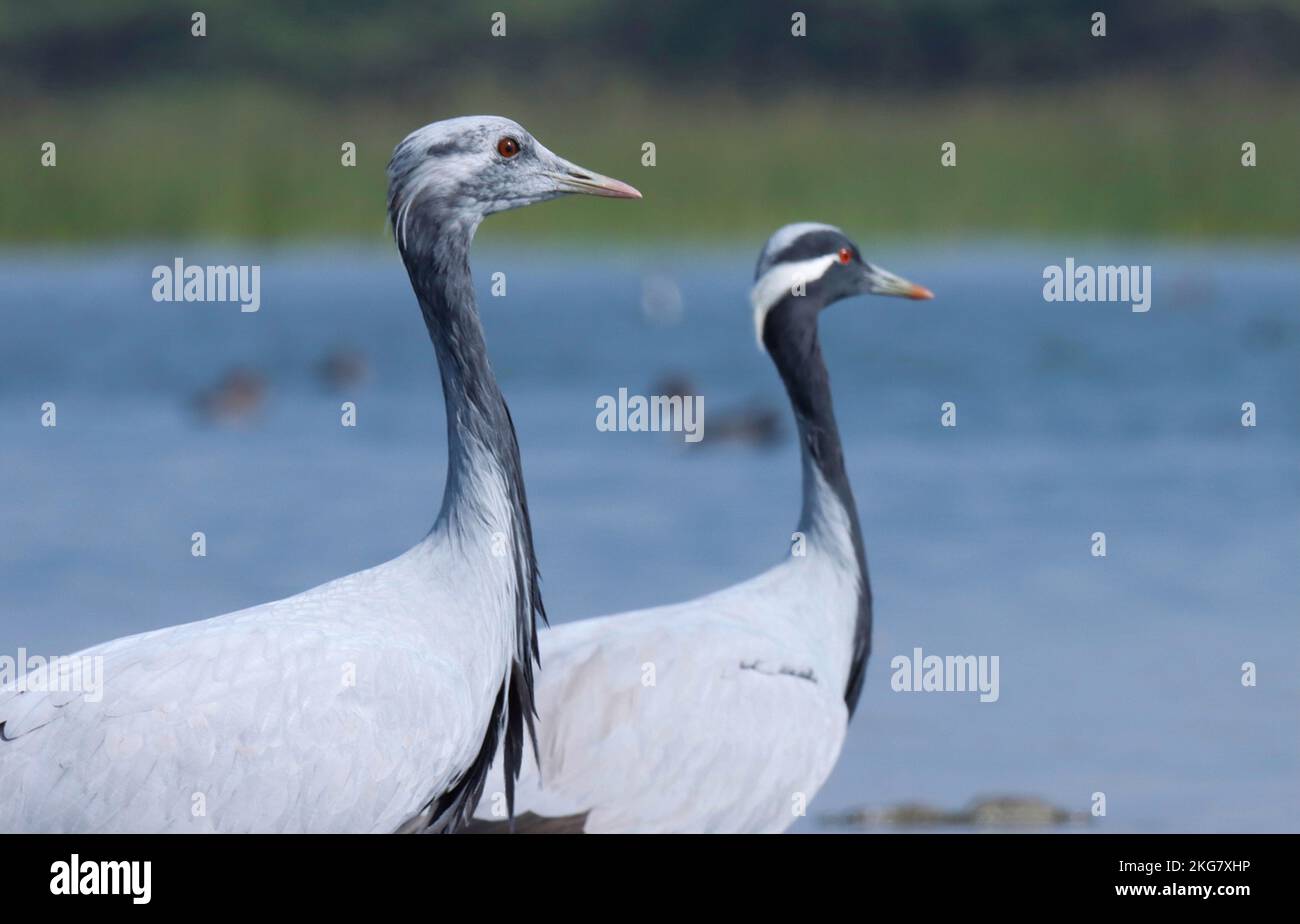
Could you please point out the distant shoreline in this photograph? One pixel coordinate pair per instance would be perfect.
(202, 162)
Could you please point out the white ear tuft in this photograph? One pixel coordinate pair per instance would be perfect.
(779, 281)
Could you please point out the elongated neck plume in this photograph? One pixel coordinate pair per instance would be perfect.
(484, 473)
(790, 336)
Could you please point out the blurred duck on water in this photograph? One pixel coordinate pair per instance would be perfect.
(757, 425)
(234, 399)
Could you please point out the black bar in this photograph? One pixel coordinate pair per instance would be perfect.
(923, 871)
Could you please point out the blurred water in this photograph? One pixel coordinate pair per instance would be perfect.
(1118, 675)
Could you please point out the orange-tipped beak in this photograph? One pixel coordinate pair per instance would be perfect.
(883, 282)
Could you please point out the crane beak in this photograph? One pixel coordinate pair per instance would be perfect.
(883, 282)
(570, 178)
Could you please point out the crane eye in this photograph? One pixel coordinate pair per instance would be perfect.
(507, 147)
(846, 255)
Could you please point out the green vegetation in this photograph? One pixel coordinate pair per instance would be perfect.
(199, 163)
(238, 133)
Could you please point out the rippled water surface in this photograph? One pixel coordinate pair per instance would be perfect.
(1118, 675)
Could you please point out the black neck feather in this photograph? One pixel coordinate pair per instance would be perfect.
(479, 432)
(790, 336)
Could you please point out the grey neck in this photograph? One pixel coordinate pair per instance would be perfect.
(790, 336)
(481, 445)
(477, 419)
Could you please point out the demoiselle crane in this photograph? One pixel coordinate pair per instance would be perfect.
(724, 713)
(374, 702)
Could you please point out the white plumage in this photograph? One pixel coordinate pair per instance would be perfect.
(720, 714)
(344, 708)
(728, 712)
(376, 700)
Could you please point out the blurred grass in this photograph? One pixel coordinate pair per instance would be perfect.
(188, 161)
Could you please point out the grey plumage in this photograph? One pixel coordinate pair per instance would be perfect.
(443, 180)
(248, 706)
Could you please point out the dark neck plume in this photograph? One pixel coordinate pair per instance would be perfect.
(481, 448)
(790, 336)
(479, 429)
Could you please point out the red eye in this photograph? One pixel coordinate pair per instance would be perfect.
(846, 255)
(507, 147)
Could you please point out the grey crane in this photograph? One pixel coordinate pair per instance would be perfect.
(376, 701)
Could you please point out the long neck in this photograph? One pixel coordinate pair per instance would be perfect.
(484, 506)
(481, 445)
(829, 517)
